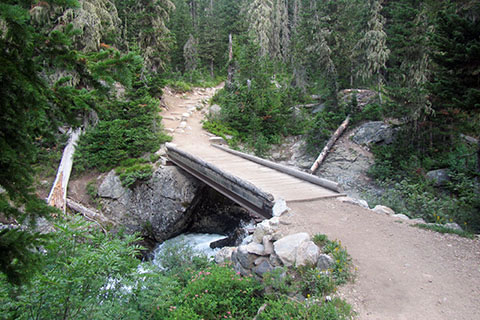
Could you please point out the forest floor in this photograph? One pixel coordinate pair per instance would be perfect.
(401, 272)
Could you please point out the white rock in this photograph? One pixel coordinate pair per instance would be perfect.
(182, 124)
(267, 245)
(401, 216)
(307, 254)
(357, 202)
(279, 208)
(286, 248)
(256, 248)
(454, 226)
(217, 140)
(224, 254)
(263, 229)
(274, 222)
(384, 210)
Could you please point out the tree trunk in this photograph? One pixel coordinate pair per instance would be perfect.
(329, 145)
(87, 212)
(58, 194)
(211, 69)
(230, 63)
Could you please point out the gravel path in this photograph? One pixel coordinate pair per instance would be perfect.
(402, 272)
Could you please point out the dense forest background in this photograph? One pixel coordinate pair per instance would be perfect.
(102, 64)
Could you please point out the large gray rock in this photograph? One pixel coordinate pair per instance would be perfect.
(307, 254)
(157, 208)
(373, 132)
(324, 262)
(439, 177)
(225, 254)
(256, 248)
(286, 248)
(262, 268)
(384, 210)
(214, 111)
(111, 187)
(243, 257)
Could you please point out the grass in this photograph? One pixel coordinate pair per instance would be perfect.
(444, 229)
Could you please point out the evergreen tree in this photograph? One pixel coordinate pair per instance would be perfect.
(455, 87)
(181, 26)
(190, 54)
(259, 21)
(372, 50)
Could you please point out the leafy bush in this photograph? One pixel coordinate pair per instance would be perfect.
(130, 175)
(286, 309)
(219, 292)
(401, 170)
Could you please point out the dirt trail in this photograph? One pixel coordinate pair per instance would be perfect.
(402, 272)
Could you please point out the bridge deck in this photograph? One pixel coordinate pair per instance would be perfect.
(279, 184)
(253, 185)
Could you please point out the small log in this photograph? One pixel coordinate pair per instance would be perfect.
(58, 193)
(89, 214)
(329, 145)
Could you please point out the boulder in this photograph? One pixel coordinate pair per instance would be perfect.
(307, 254)
(357, 202)
(224, 254)
(158, 208)
(111, 187)
(286, 248)
(401, 216)
(214, 111)
(256, 248)
(279, 208)
(217, 140)
(324, 262)
(439, 177)
(263, 229)
(262, 268)
(242, 256)
(453, 226)
(267, 245)
(373, 132)
(383, 210)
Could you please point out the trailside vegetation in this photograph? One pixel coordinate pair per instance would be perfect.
(87, 274)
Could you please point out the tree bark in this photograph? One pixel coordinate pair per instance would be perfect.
(87, 212)
(330, 143)
(58, 193)
(230, 63)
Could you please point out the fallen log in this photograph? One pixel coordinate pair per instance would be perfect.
(58, 193)
(88, 213)
(330, 143)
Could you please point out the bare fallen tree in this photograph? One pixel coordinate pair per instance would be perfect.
(329, 145)
(58, 193)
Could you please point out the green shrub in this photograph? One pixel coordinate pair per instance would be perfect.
(287, 309)
(320, 239)
(127, 129)
(130, 175)
(218, 292)
(341, 268)
(444, 229)
(314, 282)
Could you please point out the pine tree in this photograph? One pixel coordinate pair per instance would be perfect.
(372, 48)
(181, 26)
(260, 25)
(190, 54)
(455, 87)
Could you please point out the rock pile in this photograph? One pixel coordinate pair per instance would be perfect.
(269, 249)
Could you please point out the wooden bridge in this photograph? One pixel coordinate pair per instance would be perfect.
(252, 182)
